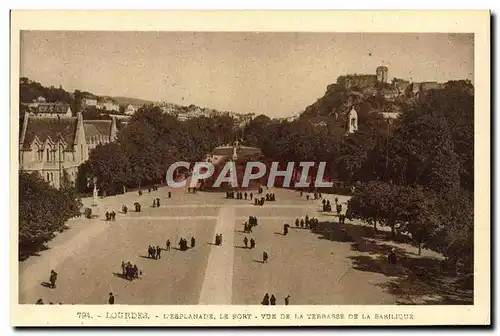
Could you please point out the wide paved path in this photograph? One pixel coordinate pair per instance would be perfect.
(218, 282)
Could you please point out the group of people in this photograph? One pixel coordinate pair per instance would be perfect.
(270, 197)
(154, 252)
(251, 241)
(218, 239)
(110, 216)
(316, 195)
(307, 223)
(247, 226)
(129, 271)
(272, 300)
(192, 190)
(327, 207)
(137, 206)
(156, 202)
(239, 195)
(269, 300)
(40, 302)
(183, 243)
(259, 201)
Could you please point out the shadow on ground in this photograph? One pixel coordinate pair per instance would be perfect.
(413, 280)
(46, 284)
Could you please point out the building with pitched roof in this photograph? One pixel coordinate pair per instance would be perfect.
(99, 132)
(55, 147)
(40, 108)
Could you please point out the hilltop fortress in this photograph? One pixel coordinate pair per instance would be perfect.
(379, 81)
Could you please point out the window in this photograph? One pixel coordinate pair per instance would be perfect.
(81, 152)
(353, 122)
(48, 177)
(73, 155)
(48, 155)
(51, 177)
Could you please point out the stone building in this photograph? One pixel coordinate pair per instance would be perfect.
(55, 147)
(52, 110)
(352, 121)
(365, 80)
(360, 81)
(99, 132)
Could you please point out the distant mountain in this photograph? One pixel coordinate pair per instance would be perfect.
(134, 101)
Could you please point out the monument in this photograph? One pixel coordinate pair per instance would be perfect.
(95, 193)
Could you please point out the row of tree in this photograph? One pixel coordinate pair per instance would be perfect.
(148, 145)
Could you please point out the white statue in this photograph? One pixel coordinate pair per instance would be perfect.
(235, 155)
(96, 195)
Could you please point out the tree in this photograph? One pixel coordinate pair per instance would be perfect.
(370, 202)
(455, 236)
(418, 213)
(421, 151)
(43, 210)
(110, 165)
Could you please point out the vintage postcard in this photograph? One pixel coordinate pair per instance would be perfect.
(196, 168)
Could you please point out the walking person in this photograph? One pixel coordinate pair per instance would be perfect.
(111, 299)
(123, 268)
(245, 241)
(168, 244)
(193, 242)
(53, 279)
(265, 300)
(287, 300)
(273, 300)
(158, 252)
(265, 257)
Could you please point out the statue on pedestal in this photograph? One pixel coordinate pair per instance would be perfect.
(95, 193)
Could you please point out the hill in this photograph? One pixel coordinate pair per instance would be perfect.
(337, 100)
(30, 90)
(124, 101)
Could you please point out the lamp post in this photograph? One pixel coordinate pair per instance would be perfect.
(389, 121)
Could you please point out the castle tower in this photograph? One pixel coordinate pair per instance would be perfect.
(352, 121)
(382, 74)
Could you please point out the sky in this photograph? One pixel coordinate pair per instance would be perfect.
(277, 74)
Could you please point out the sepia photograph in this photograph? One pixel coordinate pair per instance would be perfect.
(248, 168)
